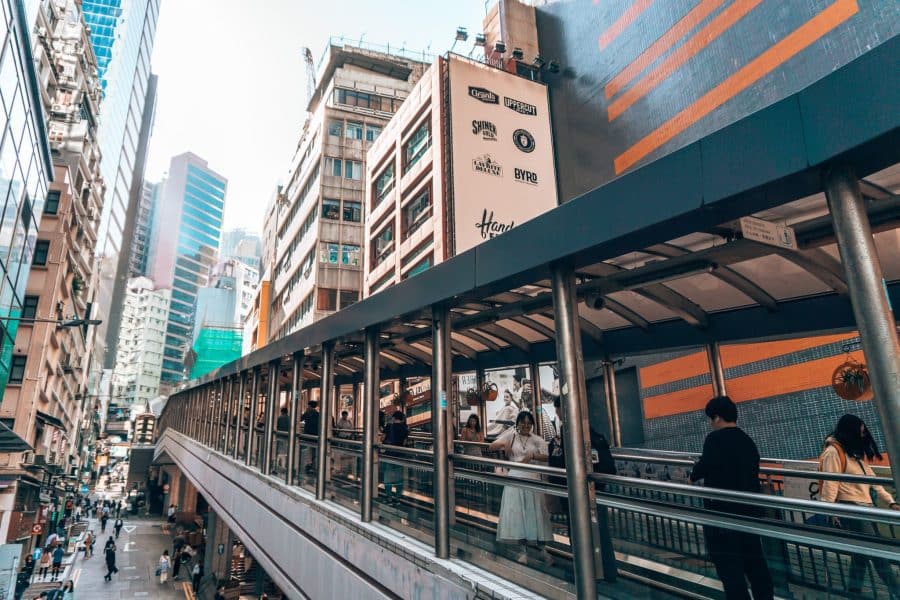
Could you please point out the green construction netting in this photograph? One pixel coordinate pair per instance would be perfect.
(215, 347)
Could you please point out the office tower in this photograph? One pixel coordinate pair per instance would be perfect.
(140, 242)
(316, 248)
(187, 228)
(242, 245)
(122, 34)
(44, 402)
(139, 354)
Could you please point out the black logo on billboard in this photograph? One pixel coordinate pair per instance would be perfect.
(523, 140)
(490, 228)
(525, 176)
(485, 95)
(523, 108)
(487, 165)
(486, 129)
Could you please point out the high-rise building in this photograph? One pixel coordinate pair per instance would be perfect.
(140, 242)
(45, 401)
(317, 246)
(25, 169)
(122, 33)
(242, 245)
(139, 354)
(187, 228)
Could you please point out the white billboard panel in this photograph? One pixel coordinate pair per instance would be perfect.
(502, 151)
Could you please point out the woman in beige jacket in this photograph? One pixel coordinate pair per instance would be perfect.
(846, 451)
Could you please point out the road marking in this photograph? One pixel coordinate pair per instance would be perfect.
(126, 548)
(129, 528)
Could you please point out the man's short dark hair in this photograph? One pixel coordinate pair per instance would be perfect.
(722, 406)
(284, 410)
(344, 413)
(313, 404)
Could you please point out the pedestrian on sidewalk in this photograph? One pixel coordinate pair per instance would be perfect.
(220, 593)
(730, 461)
(178, 559)
(118, 508)
(88, 544)
(170, 514)
(196, 576)
(110, 560)
(118, 527)
(57, 561)
(28, 567)
(163, 568)
(103, 519)
(44, 562)
(68, 591)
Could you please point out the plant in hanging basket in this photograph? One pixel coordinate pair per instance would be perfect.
(472, 397)
(491, 391)
(850, 380)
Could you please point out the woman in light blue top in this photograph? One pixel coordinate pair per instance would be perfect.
(68, 591)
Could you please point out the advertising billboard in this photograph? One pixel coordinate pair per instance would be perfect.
(502, 151)
(640, 79)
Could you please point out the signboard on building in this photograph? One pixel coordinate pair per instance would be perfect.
(639, 80)
(502, 152)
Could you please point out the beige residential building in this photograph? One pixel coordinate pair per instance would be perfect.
(45, 399)
(317, 220)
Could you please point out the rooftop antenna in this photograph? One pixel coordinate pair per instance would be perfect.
(310, 73)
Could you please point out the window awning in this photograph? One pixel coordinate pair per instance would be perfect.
(10, 441)
(50, 420)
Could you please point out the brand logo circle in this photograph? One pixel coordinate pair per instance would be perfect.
(523, 140)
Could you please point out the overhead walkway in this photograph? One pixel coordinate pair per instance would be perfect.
(652, 261)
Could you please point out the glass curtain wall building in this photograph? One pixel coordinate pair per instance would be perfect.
(182, 252)
(25, 168)
(122, 34)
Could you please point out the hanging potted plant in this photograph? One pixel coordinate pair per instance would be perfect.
(490, 392)
(472, 397)
(850, 380)
(77, 285)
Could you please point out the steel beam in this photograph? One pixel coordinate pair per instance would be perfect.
(716, 371)
(325, 412)
(441, 389)
(612, 403)
(294, 412)
(370, 421)
(251, 420)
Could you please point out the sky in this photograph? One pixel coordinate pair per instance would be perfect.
(232, 81)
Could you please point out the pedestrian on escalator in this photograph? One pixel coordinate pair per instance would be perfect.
(730, 461)
(847, 451)
(311, 420)
(395, 433)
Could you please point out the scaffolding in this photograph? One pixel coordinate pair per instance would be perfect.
(214, 347)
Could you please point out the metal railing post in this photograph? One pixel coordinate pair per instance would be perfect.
(296, 384)
(226, 417)
(371, 406)
(576, 438)
(440, 390)
(325, 412)
(251, 425)
(871, 306)
(239, 414)
(271, 409)
(612, 403)
(716, 371)
(219, 421)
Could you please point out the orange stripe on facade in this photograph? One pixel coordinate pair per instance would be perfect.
(775, 382)
(752, 72)
(627, 18)
(660, 46)
(700, 40)
(675, 369)
(742, 354)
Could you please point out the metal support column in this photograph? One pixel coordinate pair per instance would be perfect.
(440, 391)
(226, 417)
(251, 425)
(573, 396)
(482, 406)
(371, 406)
(717, 373)
(325, 411)
(209, 398)
(612, 403)
(293, 411)
(195, 412)
(219, 417)
(270, 416)
(239, 414)
(871, 306)
(537, 408)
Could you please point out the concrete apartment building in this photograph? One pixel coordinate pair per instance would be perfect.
(46, 401)
(139, 354)
(317, 218)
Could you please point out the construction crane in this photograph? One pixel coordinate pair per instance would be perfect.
(310, 72)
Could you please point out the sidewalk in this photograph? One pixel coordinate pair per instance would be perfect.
(138, 549)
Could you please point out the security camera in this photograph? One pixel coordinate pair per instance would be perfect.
(594, 301)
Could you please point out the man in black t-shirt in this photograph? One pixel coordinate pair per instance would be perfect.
(730, 461)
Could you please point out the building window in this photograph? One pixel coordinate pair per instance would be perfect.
(424, 264)
(333, 166)
(416, 212)
(348, 298)
(41, 250)
(17, 369)
(331, 209)
(383, 245)
(29, 307)
(365, 100)
(352, 211)
(418, 143)
(51, 206)
(354, 131)
(372, 132)
(327, 299)
(329, 252)
(335, 128)
(384, 183)
(350, 255)
(352, 169)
